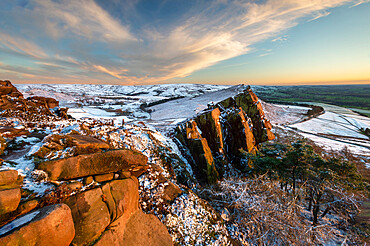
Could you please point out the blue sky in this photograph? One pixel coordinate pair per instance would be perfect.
(221, 41)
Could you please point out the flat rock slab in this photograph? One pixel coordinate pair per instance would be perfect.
(93, 164)
(52, 225)
(83, 141)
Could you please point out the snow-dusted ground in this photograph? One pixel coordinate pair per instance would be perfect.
(188, 107)
(337, 128)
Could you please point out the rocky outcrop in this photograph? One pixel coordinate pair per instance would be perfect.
(6, 88)
(94, 164)
(13, 104)
(52, 225)
(44, 101)
(216, 136)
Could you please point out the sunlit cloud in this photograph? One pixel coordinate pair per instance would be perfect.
(82, 39)
(112, 73)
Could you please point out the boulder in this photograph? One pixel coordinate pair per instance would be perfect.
(93, 164)
(90, 215)
(171, 191)
(8, 177)
(140, 230)
(52, 225)
(152, 232)
(122, 197)
(87, 144)
(9, 200)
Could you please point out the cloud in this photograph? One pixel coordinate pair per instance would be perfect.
(84, 18)
(280, 39)
(360, 2)
(112, 73)
(90, 40)
(320, 14)
(21, 46)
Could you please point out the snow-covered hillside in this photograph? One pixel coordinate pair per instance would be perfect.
(335, 129)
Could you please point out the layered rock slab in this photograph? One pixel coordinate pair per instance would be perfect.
(94, 164)
(52, 225)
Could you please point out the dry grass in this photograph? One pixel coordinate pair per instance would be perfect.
(258, 212)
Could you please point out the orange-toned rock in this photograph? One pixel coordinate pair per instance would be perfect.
(49, 226)
(82, 141)
(249, 138)
(151, 230)
(122, 197)
(201, 152)
(27, 207)
(9, 200)
(140, 230)
(90, 215)
(103, 177)
(8, 176)
(6, 88)
(171, 191)
(93, 164)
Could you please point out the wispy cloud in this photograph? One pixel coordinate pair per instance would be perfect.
(280, 39)
(85, 40)
(360, 2)
(320, 15)
(110, 72)
(21, 46)
(84, 18)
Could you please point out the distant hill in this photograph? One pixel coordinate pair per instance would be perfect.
(350, 96)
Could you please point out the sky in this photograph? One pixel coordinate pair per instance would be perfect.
(134, 42)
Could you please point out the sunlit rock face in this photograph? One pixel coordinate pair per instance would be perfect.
(216, 136)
